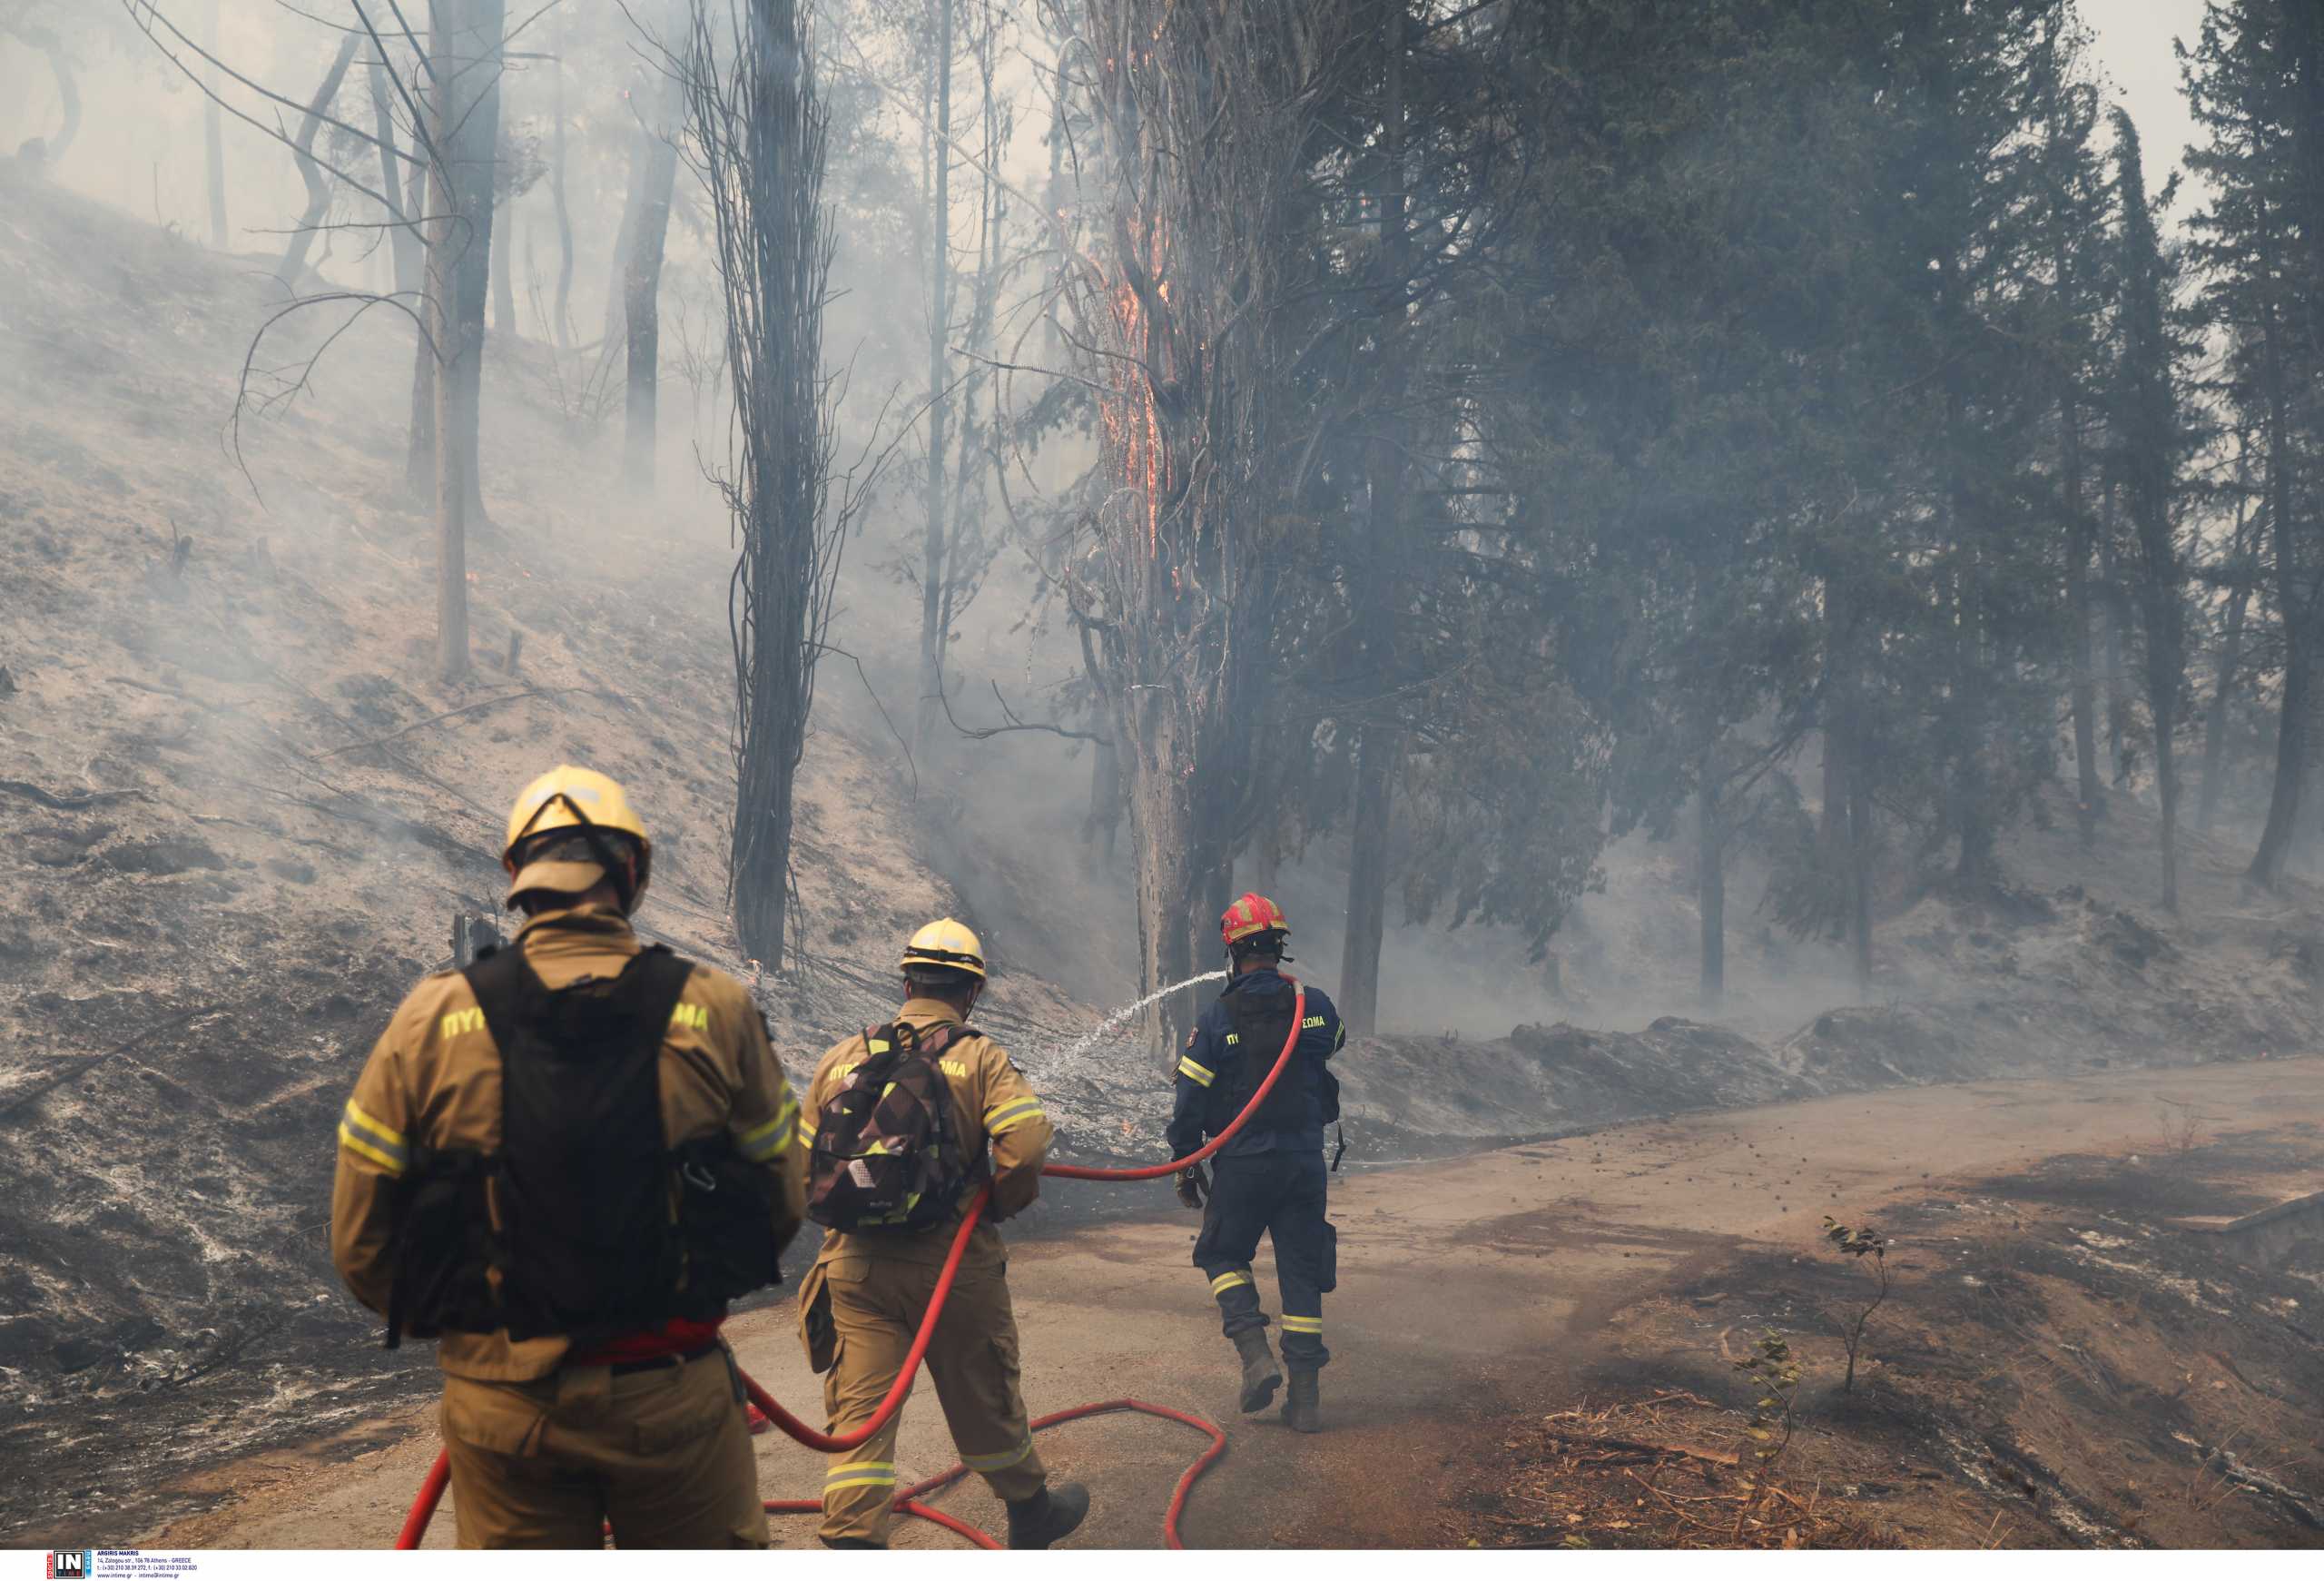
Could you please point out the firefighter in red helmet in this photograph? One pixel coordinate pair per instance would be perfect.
(1270, 1178)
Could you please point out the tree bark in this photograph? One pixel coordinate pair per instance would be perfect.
(933, 625)
(214, 136)
(1860, 878)
(1380, 570)
(1173, 868)
(2118, 683)
(2267, 868)
(563, 328)
(2230, 662)
(404, 245)
(504, 285)
(444, 325)
(476, 160)
(419, 455)
(1378, 755)
(295, 255)
(68, 92)
(2089, 794)
(656, 174)
(1710, 879)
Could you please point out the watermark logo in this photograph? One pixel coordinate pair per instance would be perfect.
(71, 1564)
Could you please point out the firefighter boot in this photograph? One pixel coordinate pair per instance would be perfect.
(1261, 1375)
(1049, 1515)
(1301, 1405)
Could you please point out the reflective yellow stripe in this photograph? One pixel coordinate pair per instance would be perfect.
(388, 1134)
(383, 1145)
(861, 1474)
(1001, 1461)
(1188, 1068)
(1292, 1324)
(1227, 1281)
(354, 1144)
(1011, 1114)
(874, 1046)
(765, 1141)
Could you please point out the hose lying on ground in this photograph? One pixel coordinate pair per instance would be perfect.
(907, 1502)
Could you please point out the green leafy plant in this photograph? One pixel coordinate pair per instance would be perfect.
(1775, 1376)
(1860, 1242)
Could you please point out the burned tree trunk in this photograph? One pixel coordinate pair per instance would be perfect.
(756, 132)
(403, 238)
(2231, 664)
(932, 622)
(1710, 877)
(563, 328)
(1378, 755)
(475, 155)
(444, 332)
(655, 176)
(2297, 612)
(1204, 119)
(295, 255)
(214, 136)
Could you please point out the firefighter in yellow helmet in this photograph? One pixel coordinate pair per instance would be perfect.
(561, 1163)
(905, 1121)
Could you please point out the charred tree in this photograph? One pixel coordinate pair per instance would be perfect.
(755, 131)
(1205, 121)
(213, 134)
(302, 236)
(2146, 420)
(933, 623)
(404, 243)
(2242, 568)
(563, 328)
(652, 175)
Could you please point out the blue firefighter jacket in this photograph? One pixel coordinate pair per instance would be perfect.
(1207, 1099)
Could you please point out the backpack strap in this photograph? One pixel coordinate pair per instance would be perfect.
(506, 986)
(507, 990)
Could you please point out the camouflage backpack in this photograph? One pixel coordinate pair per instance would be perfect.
(886, 1156)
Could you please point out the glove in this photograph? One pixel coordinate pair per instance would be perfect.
(1192, 1185)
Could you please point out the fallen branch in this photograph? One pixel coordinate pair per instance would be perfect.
(68, 804)
(92, 1061)
(1638, 1447)
(448, 714)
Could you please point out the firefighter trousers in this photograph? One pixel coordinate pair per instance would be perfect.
(859, 1316)
(1282, 1196)
(662, 1454)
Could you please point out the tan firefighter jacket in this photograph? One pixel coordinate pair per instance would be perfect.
(434, 1080)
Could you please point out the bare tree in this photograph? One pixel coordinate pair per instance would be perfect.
(294, 252)
(448, 110)
(755, 136)
(463, 75)
(654, 169)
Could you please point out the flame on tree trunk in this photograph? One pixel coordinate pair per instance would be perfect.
(1207, 139)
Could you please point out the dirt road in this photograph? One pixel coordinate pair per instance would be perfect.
(1467, 1288)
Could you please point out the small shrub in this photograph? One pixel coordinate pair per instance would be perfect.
(1859, 1243)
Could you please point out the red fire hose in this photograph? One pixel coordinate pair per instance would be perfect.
(907, 1502)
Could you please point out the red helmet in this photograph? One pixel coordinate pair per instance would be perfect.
(1253, 914)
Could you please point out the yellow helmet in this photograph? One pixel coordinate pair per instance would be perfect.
(946, 943)
(568, 797)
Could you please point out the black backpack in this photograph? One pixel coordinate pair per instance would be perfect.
(1262, 1022)
(887, 1156)
(593, 1224)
